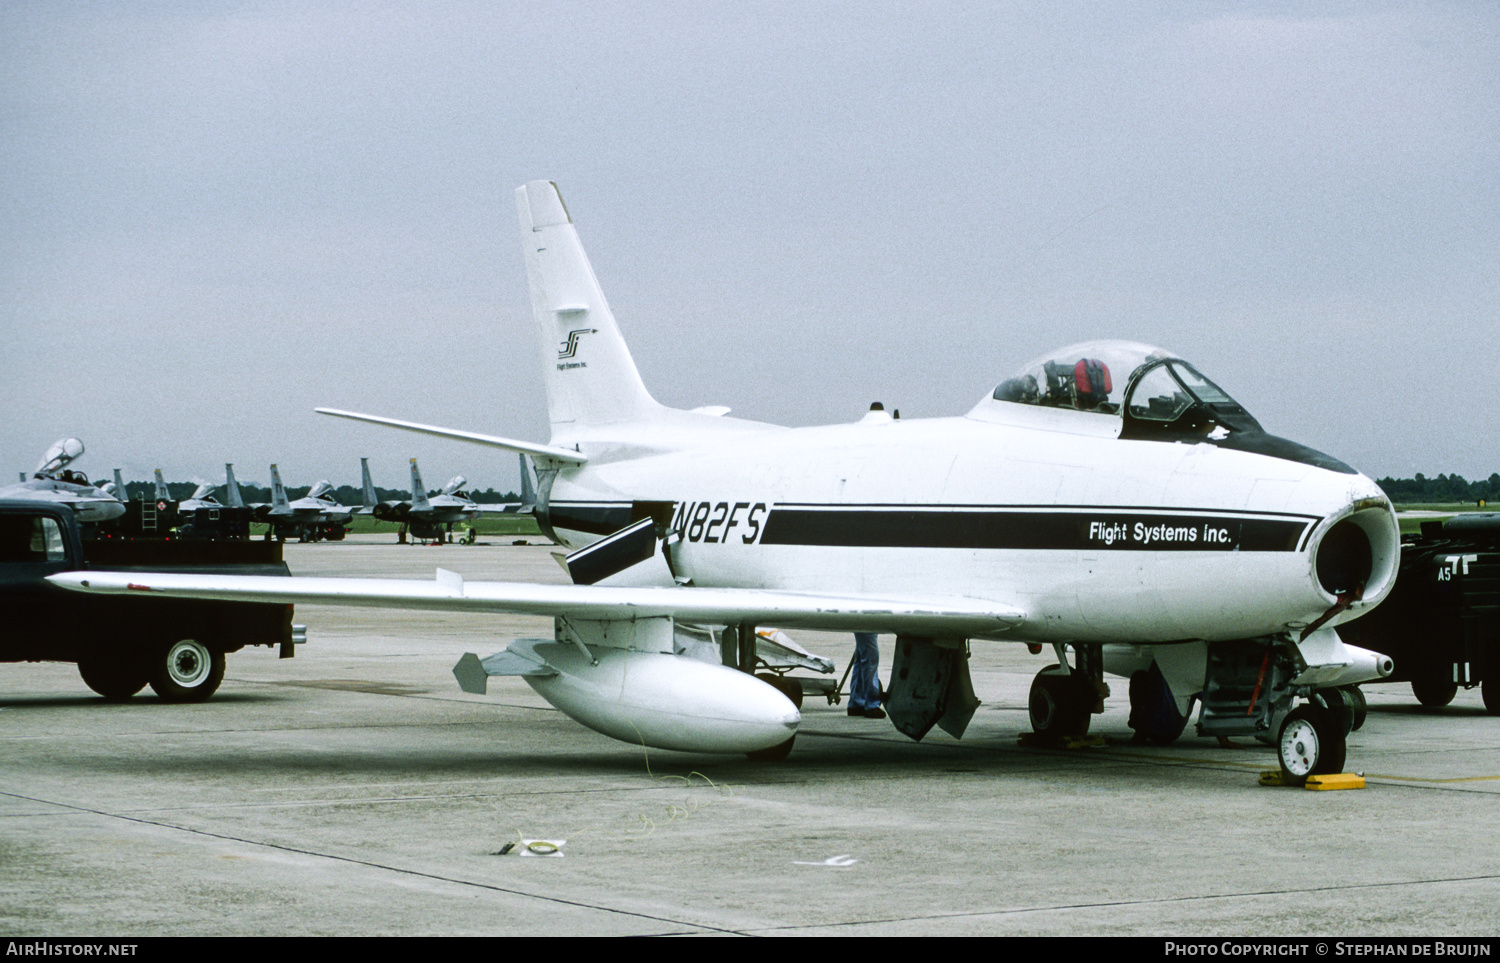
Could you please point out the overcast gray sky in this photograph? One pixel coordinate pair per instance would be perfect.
(219, 216)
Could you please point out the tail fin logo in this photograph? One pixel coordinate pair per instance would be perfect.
(569, 348)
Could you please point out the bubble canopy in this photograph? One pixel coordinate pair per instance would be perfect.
(1136, 392)
(1145, 384)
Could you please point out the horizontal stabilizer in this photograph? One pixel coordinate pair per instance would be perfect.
(926, 616)
(510, 444)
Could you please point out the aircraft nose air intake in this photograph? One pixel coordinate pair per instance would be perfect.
(1344, 559)
(1358, 553)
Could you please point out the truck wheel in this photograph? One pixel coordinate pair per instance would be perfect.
(1489, 690)
(1434, 693)
(117, 676)
(187, 671)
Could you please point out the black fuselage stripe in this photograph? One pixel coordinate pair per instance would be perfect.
(1176, 510)
(1087, 530)
(1037, 528)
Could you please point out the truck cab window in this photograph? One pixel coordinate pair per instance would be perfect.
(26, 538)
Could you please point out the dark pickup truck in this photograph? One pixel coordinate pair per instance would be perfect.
(121, 644)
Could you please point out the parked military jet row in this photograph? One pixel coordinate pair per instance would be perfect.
(310, 517)
(1107, 494)
(314, 517)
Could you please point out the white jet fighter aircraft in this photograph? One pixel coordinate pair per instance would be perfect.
(1108, 500)
(54, 482)
(314, 516)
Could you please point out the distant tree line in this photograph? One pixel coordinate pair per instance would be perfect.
(343, 494)
(1443, 488)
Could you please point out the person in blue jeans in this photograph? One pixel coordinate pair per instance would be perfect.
(864, 677)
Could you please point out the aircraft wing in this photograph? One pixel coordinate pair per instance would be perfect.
(935, 616)
(494, 441)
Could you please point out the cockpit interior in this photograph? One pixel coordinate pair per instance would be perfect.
(1155, 392)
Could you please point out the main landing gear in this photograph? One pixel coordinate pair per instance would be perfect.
(1063, 699)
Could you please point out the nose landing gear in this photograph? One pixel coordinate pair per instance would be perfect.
(1311, 744)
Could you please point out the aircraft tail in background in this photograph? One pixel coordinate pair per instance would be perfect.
(232, 496)
(419, 502)
(279, 501)
(369, 487)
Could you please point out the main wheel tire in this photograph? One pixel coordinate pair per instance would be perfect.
(117, 676)
(187, 671)
(1057, 705)
(1434, 693)
(774, 754)
(1311, 744)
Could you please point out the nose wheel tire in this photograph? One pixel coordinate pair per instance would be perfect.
(187, 671)
(1340, 706)
(1356, 697)
(1311, 744)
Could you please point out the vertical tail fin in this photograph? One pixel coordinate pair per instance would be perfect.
(232, 488)
(120, 484)
(591, 378)
(419, 502)
(279, 501)
(162, 495)
(364, 469)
